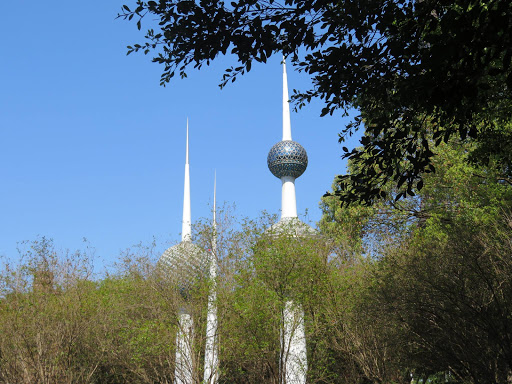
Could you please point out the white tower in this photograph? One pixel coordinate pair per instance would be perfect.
(288, 160)
(211, 357)
(184, 263)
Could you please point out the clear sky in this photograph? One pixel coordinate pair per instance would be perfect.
(92, 146)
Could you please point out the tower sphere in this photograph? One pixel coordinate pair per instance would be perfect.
(287, 158)
(185, 264)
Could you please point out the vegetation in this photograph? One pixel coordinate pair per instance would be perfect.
(433, 276)
(418, 72)
(418, 289)
(414, 287)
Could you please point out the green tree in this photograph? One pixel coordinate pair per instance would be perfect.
(458, 189)
(46, 316)
(449, 292)
(435, 298)
(260, 270)
(58, 325)
(413, 69)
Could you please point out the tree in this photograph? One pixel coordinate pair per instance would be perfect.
(449, 291)
(458, 188)
(436, 298)
(259, 271)
(414, 69)
(45, 315)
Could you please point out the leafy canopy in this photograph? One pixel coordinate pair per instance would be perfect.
(413, 69)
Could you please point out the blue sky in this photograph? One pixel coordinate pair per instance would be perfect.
(92, 146)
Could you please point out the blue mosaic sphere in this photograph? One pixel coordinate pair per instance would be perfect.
(287, 158)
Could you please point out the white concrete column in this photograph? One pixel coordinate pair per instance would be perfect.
(184, 341)
(211, 357)
(294, 364)
(288, 200)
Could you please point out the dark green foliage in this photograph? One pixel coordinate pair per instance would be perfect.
(433, 302)
(418, 72)
(451, 296)
(416, 289)
(68, 328)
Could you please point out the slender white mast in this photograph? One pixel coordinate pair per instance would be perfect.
(213, 265)
(215, 200)
(287, 127)
(211, 356)
(186, 228)
(288, 200)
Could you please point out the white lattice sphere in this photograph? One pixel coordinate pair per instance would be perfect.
(185, 263)
(287, 158)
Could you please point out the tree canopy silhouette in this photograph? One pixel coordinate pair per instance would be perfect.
(417, 71)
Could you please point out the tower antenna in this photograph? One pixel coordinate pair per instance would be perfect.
(186, 228)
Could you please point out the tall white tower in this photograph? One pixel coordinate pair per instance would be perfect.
(211, 355)
(185, 263)
(288, 160)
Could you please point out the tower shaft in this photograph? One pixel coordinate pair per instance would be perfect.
(211, 355)
(184, 339)
(294, 366)
(288, 200)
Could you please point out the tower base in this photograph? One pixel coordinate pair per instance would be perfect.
(184, 361)
(294, 364)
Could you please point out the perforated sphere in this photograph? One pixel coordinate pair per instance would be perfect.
(287, 158)
(185, 263)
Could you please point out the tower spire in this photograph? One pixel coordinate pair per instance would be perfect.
(186, 228)
(287, 127)
(287, 159)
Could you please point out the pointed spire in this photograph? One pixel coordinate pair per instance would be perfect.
(186, 155)
(186, 227)
(287, 128)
